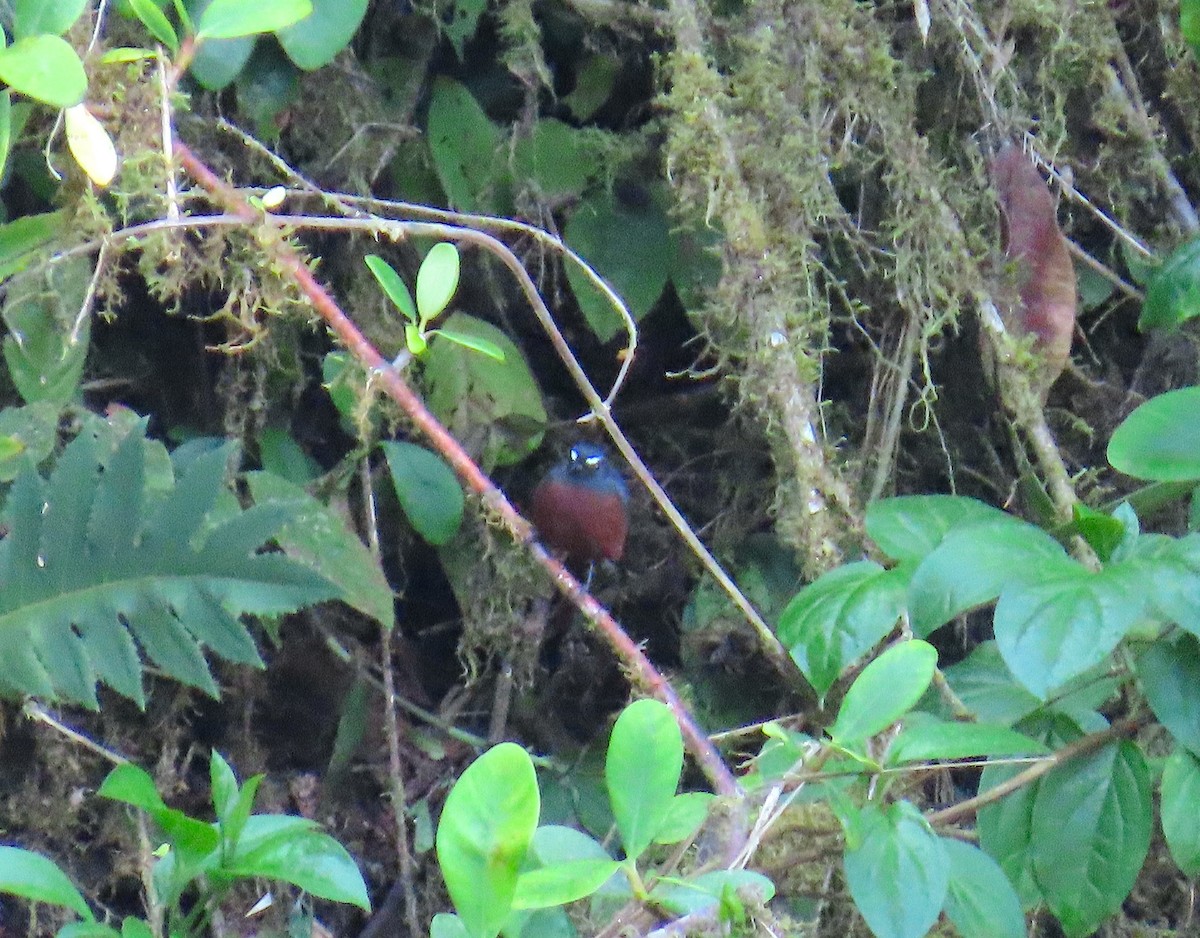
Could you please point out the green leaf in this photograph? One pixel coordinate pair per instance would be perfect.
(464, 18)
(6, 128)
(886, 689)
(1173, 293)
(464, 145)
(448, 925)
(32, 431)
(684, 817)
(132, 785)
(428, 489)
(282, 456)
(1160, 440)
(593, 85)
(1180, 820)
(698, 894)
(266, 87)
(498, 404)
(973, 563)
(21, 238)
(392, 285)
(36, 878)
(291, 850)
(980, 901)
(641, 771)
(317, 39)
(627, 244)
(437, 279)
(841, 616)
(1102, 531)
(486, 828)
(897, 872)
(559, 160)
(44, 68)
(1062, 623)
(562, 883)
(1189, 23)
(924, 739)
(1091, 830)
(474, 343)
(912, 526)
(984, 684)
(233, 19)
(156, 23)
(53, 17)
(219, 61)
(322, 540)
(49, 328)
(89, 566)
(87, 930)
(1006, 830)
(1169, 672)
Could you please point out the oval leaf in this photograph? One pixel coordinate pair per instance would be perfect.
(46, 69)
(46, 16)
(437, 280)
(887, 689)
(645, 759)
(1160, 440)
(392, 285)
(485, 830)
(428, 490)
(232, 19)
(315, 40)
(91, 145)
(156, 23)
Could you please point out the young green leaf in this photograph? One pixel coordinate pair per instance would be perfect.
(392, 285)
(474, 343)
(684, 816)
(708, 890)
(437, 280)
(886, 689)
(232, 19)
(561, 883)
(898, 871)
(485, 830)
(34, 877)
(641, 771)
(428, 489)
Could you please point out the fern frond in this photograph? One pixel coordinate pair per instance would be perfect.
(92, 569)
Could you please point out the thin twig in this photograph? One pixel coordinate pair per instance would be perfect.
(395, 770)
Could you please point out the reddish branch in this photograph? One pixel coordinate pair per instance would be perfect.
(644, 673)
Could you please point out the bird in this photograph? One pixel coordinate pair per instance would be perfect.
(579, 508)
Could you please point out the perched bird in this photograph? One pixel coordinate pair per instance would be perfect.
(579, 507)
